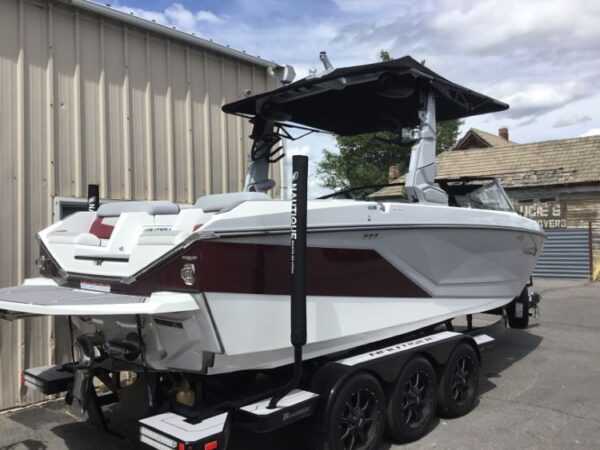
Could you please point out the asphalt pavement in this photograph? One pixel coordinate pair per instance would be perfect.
(540, 388)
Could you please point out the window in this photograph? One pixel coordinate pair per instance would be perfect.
(65, 206)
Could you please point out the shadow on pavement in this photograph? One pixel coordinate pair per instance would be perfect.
(511, 346)
(28, 444)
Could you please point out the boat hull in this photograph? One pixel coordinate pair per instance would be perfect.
(374, 271)
(335, 324)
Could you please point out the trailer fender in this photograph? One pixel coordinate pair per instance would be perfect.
(326, 382)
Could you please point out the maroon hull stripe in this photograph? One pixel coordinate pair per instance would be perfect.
(264, 269)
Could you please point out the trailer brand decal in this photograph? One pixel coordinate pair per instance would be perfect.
(358, 359)
(290, 415)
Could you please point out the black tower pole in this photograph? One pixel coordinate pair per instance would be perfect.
(93, 197)
(297, 270)
(298, 256)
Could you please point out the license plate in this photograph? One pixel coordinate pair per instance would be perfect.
(519, 311)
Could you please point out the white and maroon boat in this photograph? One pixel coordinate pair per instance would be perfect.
(205, 288)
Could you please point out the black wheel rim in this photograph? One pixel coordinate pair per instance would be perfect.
(360, 420)
(417, 399)
(463, 380)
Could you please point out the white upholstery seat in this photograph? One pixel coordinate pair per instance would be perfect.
(154, 208)
(218, 202)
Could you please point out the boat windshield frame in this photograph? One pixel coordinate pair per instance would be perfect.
(464, 192)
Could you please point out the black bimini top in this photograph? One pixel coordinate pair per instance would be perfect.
(368, 98)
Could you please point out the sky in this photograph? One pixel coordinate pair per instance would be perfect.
(542, 57)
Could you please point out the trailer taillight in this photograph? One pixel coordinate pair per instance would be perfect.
(211, 445)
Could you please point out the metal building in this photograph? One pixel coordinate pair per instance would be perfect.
(92, 95)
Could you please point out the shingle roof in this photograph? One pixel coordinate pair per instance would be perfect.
(491, 139)
(549, 163)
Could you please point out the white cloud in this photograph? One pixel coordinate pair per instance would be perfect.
(572, 119)
(207, 16)
(176, 15)
(181, 17)
(514, 26)
(372, 6)
(540, 98)
(592, 132)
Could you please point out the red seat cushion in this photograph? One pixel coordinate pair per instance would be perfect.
(101, 230)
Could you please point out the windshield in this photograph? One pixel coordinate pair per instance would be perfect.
(489, 196)
(467, 192)
(366, 192)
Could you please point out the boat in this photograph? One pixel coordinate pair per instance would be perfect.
(204, 288)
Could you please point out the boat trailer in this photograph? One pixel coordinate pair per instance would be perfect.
(376, 380)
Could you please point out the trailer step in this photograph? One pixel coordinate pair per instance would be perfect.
(49, 380)
(484, 342)
(172, 431)
(296, 405)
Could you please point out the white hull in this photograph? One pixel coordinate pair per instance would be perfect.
(334, 324)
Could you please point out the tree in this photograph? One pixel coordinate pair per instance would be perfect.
(365, 159)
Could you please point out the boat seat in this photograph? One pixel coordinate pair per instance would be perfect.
(153, 208)
(220, 202)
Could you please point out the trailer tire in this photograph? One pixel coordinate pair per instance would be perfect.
(357, 416)
(459, 384)
(517, 311)
(413, 402)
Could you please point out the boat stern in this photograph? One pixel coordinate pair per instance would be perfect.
(164, 331)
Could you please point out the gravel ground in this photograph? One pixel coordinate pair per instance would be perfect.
(540, 388)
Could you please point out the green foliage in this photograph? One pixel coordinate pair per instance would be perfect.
(362, 160)
(365, 159)
(384, 55)
(447, 134)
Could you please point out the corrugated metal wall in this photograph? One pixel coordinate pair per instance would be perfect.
(582, 208)
(87, 99)
(566, 254)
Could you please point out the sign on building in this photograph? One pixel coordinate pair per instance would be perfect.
(550, 215)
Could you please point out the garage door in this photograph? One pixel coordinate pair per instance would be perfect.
(566, 254)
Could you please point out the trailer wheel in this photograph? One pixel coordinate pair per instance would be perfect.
(413, 402)
(356, 418)
(517, 311)
(459, 384)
